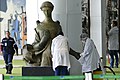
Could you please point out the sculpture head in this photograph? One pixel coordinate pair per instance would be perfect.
(47, 5)
(47, 8)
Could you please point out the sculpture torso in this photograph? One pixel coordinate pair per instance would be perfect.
(52, 27)
(45, 32)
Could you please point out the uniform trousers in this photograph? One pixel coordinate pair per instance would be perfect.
(61, 70)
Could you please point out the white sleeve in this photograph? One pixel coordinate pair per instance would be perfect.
(87, 50)
(110, 32)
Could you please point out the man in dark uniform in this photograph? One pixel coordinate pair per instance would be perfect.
(8, 50)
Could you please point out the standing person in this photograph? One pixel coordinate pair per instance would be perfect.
(60, 55)
(113, 44)
(8, 46)
(89, 57)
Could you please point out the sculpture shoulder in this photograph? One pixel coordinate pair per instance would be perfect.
(49, 25)
(58, 24)
(41, 27)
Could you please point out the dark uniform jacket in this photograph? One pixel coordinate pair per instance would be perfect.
(8, 45)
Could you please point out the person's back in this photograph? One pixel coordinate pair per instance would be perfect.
(113, 39)
(60, 55)
(113, 44)
(62, 43)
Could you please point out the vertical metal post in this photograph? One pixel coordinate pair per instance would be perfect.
(0, 38)
(88, 76)
(119, 24)
(1, 77)
(89, 17)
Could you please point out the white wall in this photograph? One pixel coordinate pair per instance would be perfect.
(31, 12)
(68, 12)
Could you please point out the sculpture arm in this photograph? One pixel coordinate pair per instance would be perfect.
(37, 38)
(41, 45)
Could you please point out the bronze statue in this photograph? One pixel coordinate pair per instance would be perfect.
(45, 32)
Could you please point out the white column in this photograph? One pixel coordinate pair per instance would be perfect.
(97, 26)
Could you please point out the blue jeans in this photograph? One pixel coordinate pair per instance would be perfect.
(112, 54)
(61, 70)
(8, 57)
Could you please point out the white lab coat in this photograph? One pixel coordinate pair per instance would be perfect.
(60, 52)
(89, 58)
(113, 43)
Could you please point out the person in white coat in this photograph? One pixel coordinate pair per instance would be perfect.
(113, 44)
(60, 55)
(89, 57)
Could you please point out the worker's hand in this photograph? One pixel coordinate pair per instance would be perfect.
(74, 53)
(77, 56)
(81, 54)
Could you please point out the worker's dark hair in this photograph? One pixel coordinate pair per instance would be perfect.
(60, 33)
(58, 22)
(37, 21)
(83, 35)
(7, 31)
(115, 23)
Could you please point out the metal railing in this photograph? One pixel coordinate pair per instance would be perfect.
(59, 77)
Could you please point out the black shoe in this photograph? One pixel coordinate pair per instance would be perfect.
(116, 66)
(8, 72)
